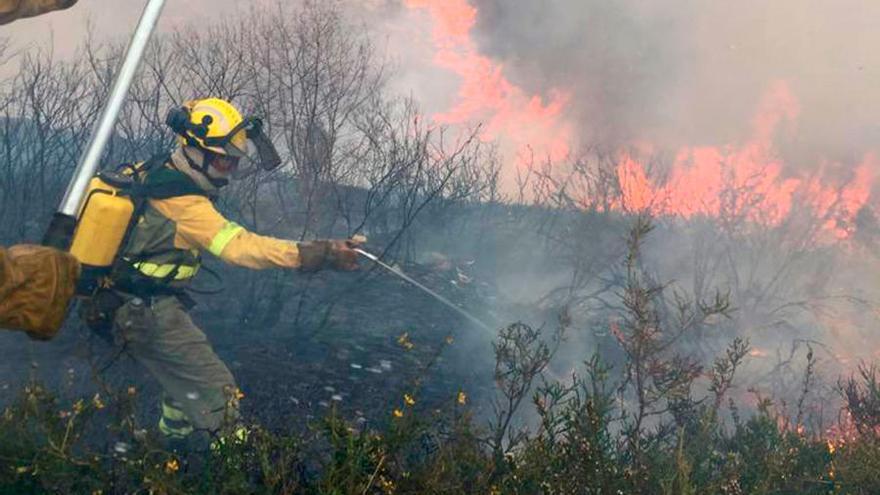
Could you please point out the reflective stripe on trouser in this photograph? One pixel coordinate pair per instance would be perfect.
(174, 423)
(237, 435)
(164, 339)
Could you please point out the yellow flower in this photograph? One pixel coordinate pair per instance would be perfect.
(239, 394)
(78, 406)
(97, 402)
(386, 484)
(172, 466)
(462, 398)
(408, 399)
(397, 413)
(404, 341)
(449, 339)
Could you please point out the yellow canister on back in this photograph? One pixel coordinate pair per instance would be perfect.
(102, 223)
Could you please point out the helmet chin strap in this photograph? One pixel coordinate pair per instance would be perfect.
(218, 183)
(207, 157)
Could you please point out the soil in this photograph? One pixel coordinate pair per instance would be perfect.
(357, 342)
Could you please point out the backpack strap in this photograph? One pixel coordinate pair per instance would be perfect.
(152, 180)
(164, 183)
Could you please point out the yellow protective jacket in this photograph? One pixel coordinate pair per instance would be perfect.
(199, 225)
(11, 10)
(177, 223)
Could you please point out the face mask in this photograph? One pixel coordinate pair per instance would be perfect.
(218, 168)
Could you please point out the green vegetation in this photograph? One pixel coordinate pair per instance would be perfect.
(639, 427)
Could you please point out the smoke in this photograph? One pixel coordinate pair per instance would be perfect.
(672, 74)
(687, 72)
(63, 33)
(775, 98)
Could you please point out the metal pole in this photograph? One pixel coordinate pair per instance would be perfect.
(61, 228)
(88, 162)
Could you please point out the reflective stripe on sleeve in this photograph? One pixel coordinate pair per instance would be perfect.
(224, 237)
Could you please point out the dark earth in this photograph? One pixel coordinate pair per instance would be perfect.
(361, 341)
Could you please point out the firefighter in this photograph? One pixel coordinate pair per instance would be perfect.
(173, 227)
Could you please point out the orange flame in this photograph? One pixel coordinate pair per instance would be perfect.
(700, 176)
(485, 94)
(745, 180)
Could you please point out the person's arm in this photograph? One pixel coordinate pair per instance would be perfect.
(201, 226)
(11, 10)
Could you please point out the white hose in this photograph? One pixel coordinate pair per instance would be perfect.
(400, 274)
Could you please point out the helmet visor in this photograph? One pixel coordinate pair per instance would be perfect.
(232, 144)
(236, 143)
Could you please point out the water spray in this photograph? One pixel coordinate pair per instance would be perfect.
(397, 272)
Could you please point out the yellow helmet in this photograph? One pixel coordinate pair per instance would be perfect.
(215, 125)
(211, 124)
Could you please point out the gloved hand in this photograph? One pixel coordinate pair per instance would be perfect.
(328, 253)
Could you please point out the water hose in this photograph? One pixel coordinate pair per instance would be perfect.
(375, 259)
